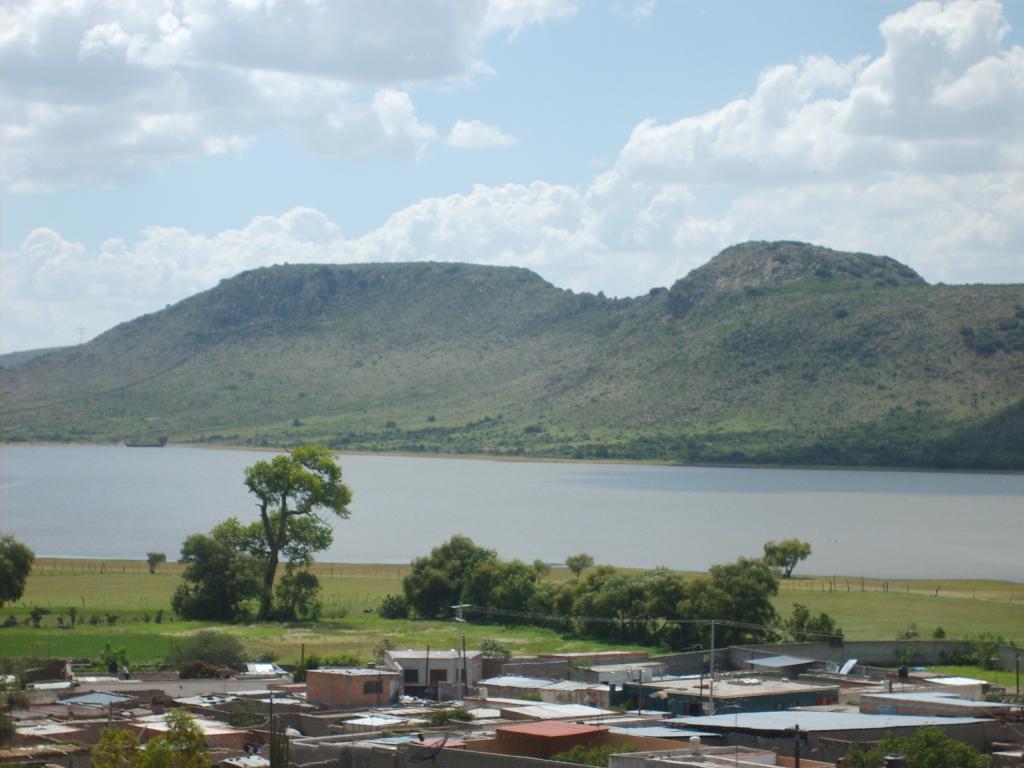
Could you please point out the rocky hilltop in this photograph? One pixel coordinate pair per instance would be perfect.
(771, 352)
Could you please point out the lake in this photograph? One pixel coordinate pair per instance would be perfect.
(116, 502)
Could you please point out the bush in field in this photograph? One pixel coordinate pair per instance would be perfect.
(207, 646)
(394, 607)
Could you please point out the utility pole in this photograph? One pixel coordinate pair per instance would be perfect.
(465, 682)
(796, 747)
(711, 683)
(426, 674)
(639, 692)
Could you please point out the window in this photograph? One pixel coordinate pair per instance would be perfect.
(411, 675)
(438, 675)
(373, 686)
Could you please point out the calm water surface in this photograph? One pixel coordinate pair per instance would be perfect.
(98, 501)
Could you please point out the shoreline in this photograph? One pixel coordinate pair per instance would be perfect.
(538, 459)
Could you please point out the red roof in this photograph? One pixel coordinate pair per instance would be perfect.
(550, 729)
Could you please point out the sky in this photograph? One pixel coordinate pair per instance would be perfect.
(151, 149)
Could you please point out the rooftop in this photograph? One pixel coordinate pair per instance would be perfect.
(354, 671)
(410, 653)
(557, 711)
(815, 721)
(780, 662)
(96, 699)
(513, 681)
(735, 687)
(946, 699)
(552, 729)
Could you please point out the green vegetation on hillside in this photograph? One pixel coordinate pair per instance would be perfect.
(770, 353)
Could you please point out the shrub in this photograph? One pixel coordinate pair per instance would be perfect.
(443, 716)
(207, 646)
(201, 670)
(492, 649)
(394, 607)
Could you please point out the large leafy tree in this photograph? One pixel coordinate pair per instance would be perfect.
(736, 593)
(181, 746)
(786, 554)
(293, 491)
(929, 747)
(15, 565)
(219, 580)
(440, 579)
(117, 748)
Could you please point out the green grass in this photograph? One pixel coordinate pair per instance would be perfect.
(96, 587)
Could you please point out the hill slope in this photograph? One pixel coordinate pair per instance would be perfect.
(771, 352)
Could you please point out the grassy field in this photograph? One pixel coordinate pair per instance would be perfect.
(125, 589)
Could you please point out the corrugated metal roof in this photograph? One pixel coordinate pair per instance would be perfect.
(779, 662)
(946, 699)
(816, 721)
(661, 732)
(552, 729)
(556, 711)
(96, 699)
(512, 681)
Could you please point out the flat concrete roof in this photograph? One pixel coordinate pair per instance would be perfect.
(352, 672)
(816, 721)
(96, 699)
(736, 687)
(410, 653)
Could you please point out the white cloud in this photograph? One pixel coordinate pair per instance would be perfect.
(98, 91)
(473, 134)
(917, 154)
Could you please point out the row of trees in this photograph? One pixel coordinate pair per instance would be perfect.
(236, 565)
(653, 607)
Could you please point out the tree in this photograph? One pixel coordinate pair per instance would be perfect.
(786, 554)
(439, 580)
(153, 559)
(803, 626)
(929, 747)
(218, 580)
(117, 748)
(579, 563)
(292, 491)
(181, 746)
(15, 565)
(210, 647)
(736, 592)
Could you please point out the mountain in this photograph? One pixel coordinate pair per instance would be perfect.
(770, 353)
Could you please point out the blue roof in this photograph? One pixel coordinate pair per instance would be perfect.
(816, 721)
